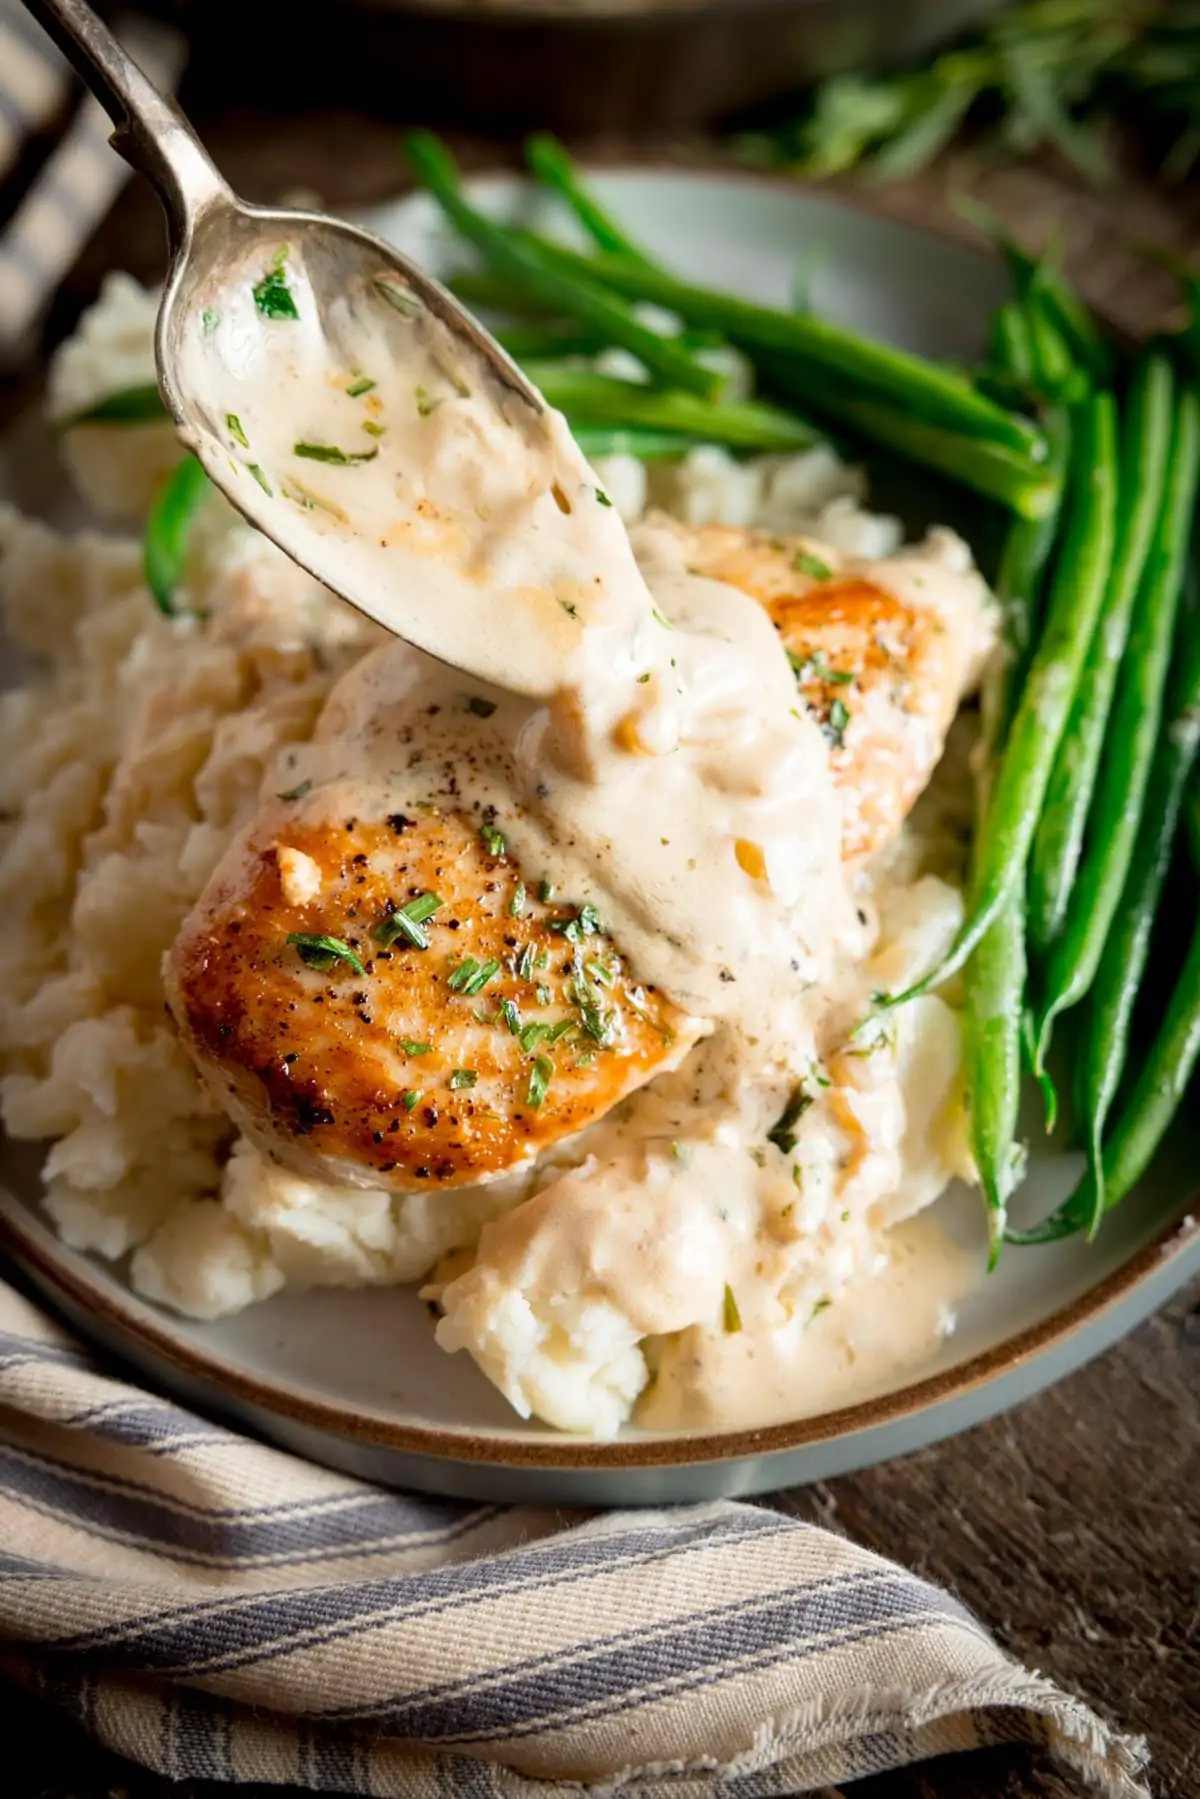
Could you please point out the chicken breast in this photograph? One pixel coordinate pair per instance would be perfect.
(380, 995)
(884, 653)
(387, 1002)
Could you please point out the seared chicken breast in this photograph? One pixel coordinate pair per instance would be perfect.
(884, 653)
(393, 1001)
(389, 1003)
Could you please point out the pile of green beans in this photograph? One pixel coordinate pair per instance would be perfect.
(919, 409)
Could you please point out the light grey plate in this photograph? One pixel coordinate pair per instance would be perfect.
(354, 1378)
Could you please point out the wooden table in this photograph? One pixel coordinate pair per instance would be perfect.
(1072, 1525)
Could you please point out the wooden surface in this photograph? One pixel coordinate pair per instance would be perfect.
(1071, 1526)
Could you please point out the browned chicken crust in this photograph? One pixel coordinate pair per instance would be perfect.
(435, 1053)
(883, 677)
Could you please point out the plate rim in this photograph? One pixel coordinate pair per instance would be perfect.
(31, 1242)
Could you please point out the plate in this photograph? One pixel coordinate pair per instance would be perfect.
(354, 1379)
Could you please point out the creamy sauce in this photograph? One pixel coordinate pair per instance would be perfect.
(645, 753)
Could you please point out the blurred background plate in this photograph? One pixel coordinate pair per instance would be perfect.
(577, 66)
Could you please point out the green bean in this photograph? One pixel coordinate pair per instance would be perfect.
(165, 543)
(1034, 275)
(140, 405)
(1028, 488)
(1115, 820)
(1109, 1018)
(634, 440)
(1012, 346)
(591, 398)
(1057, 376)
(995, 987)
(1002, 847)
(480, 287)
(550, 163)
(994, 978)
(937, 395)
(1058, 845)
(543, 342)
(578, 294)
(1143, 1120)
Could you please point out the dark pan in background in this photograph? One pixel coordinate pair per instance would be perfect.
(581, 67)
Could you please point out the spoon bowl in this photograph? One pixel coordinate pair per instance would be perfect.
(353, 411)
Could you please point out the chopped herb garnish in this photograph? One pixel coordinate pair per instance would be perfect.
(272, 295)
(560, 1029)
(815, 668)
(494, 841)
(583, 924)
(812, 566)
(731, 1317)
(464, 1077)
(598, 1024)
(406, 304)
(511, 1017)
(234, 424)
(363, 385)
(411, 1099)
(261, 478)
(602, 498)
(425, 401)
(516, 904)
(600, 971)
(480, 707)
(322, 952)
(411, 1047)
(783, 1132)
(526, 963)
(331, 453)
(642, 679)
(304, 496)
(296, 793)
(408, 921)
(532, 1035)
(209, 320)
(539, 1080)
(835, 726)
(546, 892)
(822, 1305)
(544, 996)
(371, 428)
(471, 977)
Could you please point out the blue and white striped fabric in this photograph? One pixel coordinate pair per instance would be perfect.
(82, 176)
(215, 1609)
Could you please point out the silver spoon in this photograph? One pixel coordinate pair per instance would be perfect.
(263, 305)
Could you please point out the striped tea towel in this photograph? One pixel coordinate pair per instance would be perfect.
(218, 1610)
(78, 182)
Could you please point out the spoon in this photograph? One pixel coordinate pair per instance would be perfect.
(358, 416)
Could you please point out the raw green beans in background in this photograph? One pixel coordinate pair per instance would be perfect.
(552, 165)
(140, 405)
(1080, 576)
(1133, 732)
(168, 528)
(519, 257)
(1146, 431)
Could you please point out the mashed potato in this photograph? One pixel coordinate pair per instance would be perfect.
(144, 744)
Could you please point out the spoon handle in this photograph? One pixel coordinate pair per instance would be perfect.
(151, 133)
